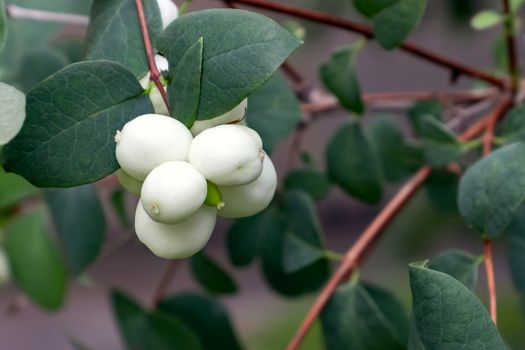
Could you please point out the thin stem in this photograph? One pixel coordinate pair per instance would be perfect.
(512, 52)
(491, 284)
(165, 281)
(354, 255)
(154, 71)
(14, 11)
(367, 31)
(498, 112)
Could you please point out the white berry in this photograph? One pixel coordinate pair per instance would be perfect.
(129, 183)
(227, 155)
(155, 96)
(150, 140)
(176, 241)
(172, 192)
(250, 199)
(168, 12)
(236, 115)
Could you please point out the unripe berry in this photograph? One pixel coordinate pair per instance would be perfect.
(129, 183)
(250, 199)
(177, 241)
(172, 192)
(227, 155)
(150, 140)
(236, 115)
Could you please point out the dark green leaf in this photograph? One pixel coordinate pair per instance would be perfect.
(516, 248)
(340, 77)
(185, 87)
(448, 315)
(114, 33)
(72, 117)
(12, 112)
(442, 189)
(36, 65)
(3, 25)
(354, 165)
(458, 264)
(80, 223)
(512, 128)
(210, 275)
(273, 111)
(364, 317)
(393, 24)
(298, 253)
(305, 280)
(440, 145)
(142, 330)
(243, 238)
(491, 190)
(118, 203)
(370, 8)
(311, 181)
(35, 261)
(399, 158)
(14, 188)
(241, 51)
(206, 317)
(423, 108)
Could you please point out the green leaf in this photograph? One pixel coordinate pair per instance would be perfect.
(80, 222)
(72, 117)
(36, 65)
(185, 87)
(353, 164)
(298, 253)
(516, 249)
(418, 112)
(273, 111)
(441, 189)
(448, 315)
(206, 317)
(3, 25)
(311, 181)
(440, 145)
(241, 51)
(243, 238)
(399, 158)
(305, 280)
(458, 264)
(12, 112)
(369, 8)
(512, 127)
(492, 190)
(114, 33)
(210, 275)
(118, 203)
(364, 317)
(339, 75)
(486, 19)
(144, 330)
(393, 24)
(35, 261)
(14, 188)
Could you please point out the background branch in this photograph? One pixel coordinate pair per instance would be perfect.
(14, 11)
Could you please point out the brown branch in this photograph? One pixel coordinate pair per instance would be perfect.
(353, 256)
(14, 11)
(498, 113)
(165, 281)
(154, 71)
(367, 31)
(491, 283)
(512, 52)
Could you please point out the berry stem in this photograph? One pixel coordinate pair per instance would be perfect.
(491, 284)
(154, 71)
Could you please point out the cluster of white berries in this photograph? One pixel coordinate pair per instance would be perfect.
(185, 178)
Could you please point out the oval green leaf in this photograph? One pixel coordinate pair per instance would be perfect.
(210, 275)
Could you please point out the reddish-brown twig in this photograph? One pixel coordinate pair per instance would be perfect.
(367, 31)
(15, 11)
(165, 281)
(512, 52)
(491, 284)
(154, 71)
(498, 112)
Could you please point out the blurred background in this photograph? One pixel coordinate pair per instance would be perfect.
(263, 319)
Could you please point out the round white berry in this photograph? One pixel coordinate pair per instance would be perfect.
(168, 12)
